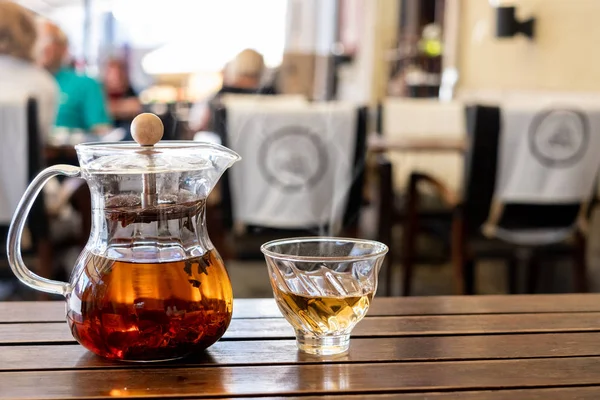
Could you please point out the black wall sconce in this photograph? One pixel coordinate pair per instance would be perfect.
(507, 24)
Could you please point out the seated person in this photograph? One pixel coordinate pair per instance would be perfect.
(123, 103)
(241, 75)
(82, 106)
(82, 103)
(19, 76)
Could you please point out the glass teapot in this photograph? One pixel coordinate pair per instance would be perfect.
(149, 284)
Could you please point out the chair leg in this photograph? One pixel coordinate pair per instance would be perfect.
(352, 231)
(511, 267)
(82, 201)
(217, 232)
(386, 217)
(470, 276)
(533, 273)
(389, 271)
(459, 256)
(407, 269)
(411, 227)
(45, 255)
(580, 264)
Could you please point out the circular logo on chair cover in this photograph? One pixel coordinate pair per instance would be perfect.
(293, 157)
(559, 138)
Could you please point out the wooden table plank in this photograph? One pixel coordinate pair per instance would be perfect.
(54, 311)
(382, 306)
(303, 379)
(264, 352)
(579, 393)
(504, 344)
(240, 329)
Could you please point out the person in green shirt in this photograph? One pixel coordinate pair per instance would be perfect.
(82, 104)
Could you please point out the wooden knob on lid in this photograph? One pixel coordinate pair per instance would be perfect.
(147, 129)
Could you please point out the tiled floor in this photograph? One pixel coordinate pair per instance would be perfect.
(250, 279)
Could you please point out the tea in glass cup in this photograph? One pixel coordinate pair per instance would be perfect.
(323, 287)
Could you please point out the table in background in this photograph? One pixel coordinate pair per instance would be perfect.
(382, 144)
(467, 347)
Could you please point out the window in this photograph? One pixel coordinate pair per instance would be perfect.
(201, 35)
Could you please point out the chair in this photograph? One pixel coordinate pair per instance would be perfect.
(168, 115)
(412, 119)
(230, 93)
(293, 128)
(516, 231)
(402, 119)
(260, 100)
(37, 223)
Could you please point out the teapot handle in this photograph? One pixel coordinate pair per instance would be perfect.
(13, 246)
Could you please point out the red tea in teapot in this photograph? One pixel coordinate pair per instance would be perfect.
(150, 311)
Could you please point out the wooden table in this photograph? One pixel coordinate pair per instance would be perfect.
(472, 347)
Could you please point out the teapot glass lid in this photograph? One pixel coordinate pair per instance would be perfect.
(147, 155)
(130, 158)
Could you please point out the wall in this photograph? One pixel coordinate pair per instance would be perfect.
(309, 38)
(365, 79)
(563, 55)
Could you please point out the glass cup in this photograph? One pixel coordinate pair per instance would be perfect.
(323, 286)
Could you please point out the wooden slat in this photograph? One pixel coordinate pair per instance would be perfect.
(370, 327)
(435, 348)
(302, 379)
(383, 306)
(487, 304)
(579, 393)
(54, 311)
(32, 311)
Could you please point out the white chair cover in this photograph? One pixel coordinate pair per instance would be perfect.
(297, 164)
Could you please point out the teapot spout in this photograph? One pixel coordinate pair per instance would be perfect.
(221, 158)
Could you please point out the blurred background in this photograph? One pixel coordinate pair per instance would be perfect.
(431, 84)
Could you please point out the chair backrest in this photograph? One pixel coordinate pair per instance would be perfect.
(168, 115)
(38, 218)
(37, 222)
(263, 90)
(228, 93)
(423, 118)
(481, 181)
(260, 100)
(271, 121)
